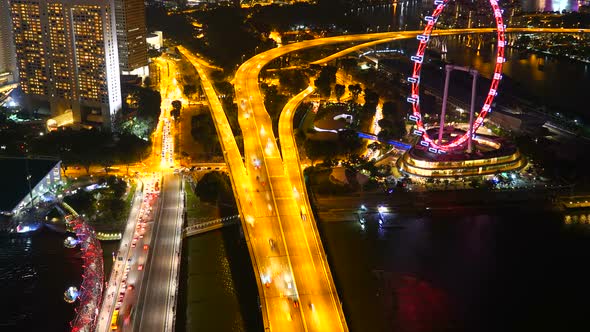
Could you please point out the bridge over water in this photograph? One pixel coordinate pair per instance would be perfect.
(203, 227)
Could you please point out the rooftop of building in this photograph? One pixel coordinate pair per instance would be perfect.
(13, 182)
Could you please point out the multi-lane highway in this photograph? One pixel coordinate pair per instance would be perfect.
(157, 296)
(142, 289)
(262, 234)
(114, 281)
(313, 289)
(158, 291)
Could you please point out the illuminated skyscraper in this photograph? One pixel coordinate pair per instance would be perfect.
(131, 36)
(7, 56)
(67, 56)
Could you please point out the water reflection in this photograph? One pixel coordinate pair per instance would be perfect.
(461, 271)
(531, 72)
(34, 271)
(549, 5)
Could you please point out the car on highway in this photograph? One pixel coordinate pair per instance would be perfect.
(114, 320)
(256, 163)
(127, 315)
(266, 280)
(140, 267)
(146, 247)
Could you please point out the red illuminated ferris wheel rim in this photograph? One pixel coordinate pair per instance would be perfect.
(414, 98)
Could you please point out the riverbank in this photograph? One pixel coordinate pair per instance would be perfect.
(331, 208)
(217, 286)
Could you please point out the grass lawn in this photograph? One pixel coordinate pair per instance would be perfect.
(197, 210)
(130, 194)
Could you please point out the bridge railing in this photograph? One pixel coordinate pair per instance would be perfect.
(221, 221)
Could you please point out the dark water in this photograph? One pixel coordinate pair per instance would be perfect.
(512, 271)
(218, 291)
(34, 273)
(559, 83)
(35, 270)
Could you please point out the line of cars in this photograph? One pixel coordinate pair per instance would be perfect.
(200, 168)
(145, 215)
(167, 144)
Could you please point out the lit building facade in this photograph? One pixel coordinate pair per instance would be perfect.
(131, 36)
(494, 155)
(155, 40)
(67, 56)
(8, 72)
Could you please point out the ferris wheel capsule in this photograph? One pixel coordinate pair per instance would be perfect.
(424, 143)
(422, 38)
(417, 58)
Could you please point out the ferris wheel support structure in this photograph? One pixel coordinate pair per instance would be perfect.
(474, 73)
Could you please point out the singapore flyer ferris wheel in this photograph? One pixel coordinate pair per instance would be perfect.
(414, 98)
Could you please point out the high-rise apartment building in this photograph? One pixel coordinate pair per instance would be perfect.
(67, 56)
(8, 71)
(131, 36)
